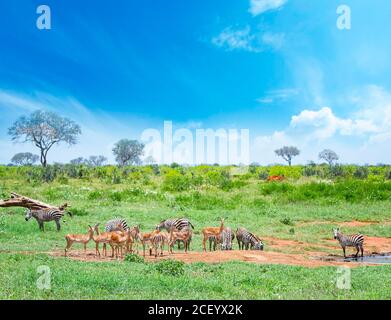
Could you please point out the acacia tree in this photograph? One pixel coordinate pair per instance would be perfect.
(24, 159)
(78, 161)
(44, 129)
(128, 152)
(287, 153)
(329, 156)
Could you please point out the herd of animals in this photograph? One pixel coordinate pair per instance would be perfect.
(123, 239)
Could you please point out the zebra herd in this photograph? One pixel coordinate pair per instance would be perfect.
(180, 230)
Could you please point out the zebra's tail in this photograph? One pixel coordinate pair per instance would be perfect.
(191, 225)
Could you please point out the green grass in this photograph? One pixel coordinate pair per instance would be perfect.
(270, 210)
(234, 280)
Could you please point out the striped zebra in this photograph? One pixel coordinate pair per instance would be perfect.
(117, 224)
(247, 239)
(356, 240)
(158, 240)
(46, 215)
(225, 240)
(178, 224)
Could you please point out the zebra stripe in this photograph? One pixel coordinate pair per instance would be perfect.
(45, 215)
(116, 225)
(178, 224)
(247, 239)
(356, 240)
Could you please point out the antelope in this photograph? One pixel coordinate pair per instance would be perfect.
(104, 238)
(79, 238)
(146, 237)
(212, 231)
(119, 240)
(182, 235)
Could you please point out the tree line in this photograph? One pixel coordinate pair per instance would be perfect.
(45, 129)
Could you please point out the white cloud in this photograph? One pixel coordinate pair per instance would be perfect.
(359, 137)
(280, 94)
(258, 7)
(241, 39)
(244, 39)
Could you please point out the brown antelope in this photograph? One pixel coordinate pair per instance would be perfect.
(158, 240)
(79, 238)
(119, 241)
(104, 238)
(146, 238)
(182, 235)
(212, 231)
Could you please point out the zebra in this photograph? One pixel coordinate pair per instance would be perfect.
(225, 240)
(247, 239)
(46, 215)
(178, 224)
(356, 240)
(113, 225)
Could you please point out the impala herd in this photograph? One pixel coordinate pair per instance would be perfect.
(123, 239)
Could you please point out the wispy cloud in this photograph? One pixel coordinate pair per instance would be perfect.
(258, 7)
(240, 39)
(246, 40)
(278, 95)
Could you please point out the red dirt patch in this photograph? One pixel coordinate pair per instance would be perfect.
(317, 259)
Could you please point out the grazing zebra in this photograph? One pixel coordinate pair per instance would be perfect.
(46, 215)
(178, 224)
(117, 224)
(226, 239)
(356, 240)
(246, 238)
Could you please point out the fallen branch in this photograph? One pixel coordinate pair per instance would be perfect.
(17, 200)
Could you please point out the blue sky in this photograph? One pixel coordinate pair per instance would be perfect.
(280, 68)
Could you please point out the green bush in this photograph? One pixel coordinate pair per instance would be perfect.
(171, 267)
(174, 181)
(135, 258)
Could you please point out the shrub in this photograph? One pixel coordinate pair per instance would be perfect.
(135, 258)
(174, 181)
(361, 173)
(171, 267)
(287, 221)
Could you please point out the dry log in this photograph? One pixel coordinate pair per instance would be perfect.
(17, 200)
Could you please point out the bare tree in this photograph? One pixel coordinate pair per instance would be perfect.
(78, 161)
(128, 152)
(44, 129)
(287, 153)
(24, 159)
(329, 156)
(96, 161)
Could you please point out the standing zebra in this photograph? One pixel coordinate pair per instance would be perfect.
(117, 224)
(246, 238)
(46, 215)
(178, 224)
(356, 240)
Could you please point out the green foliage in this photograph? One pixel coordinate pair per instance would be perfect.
(135, 258)
(174, 181)
(171, 267)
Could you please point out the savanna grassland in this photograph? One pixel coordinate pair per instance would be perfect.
(294, 217)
